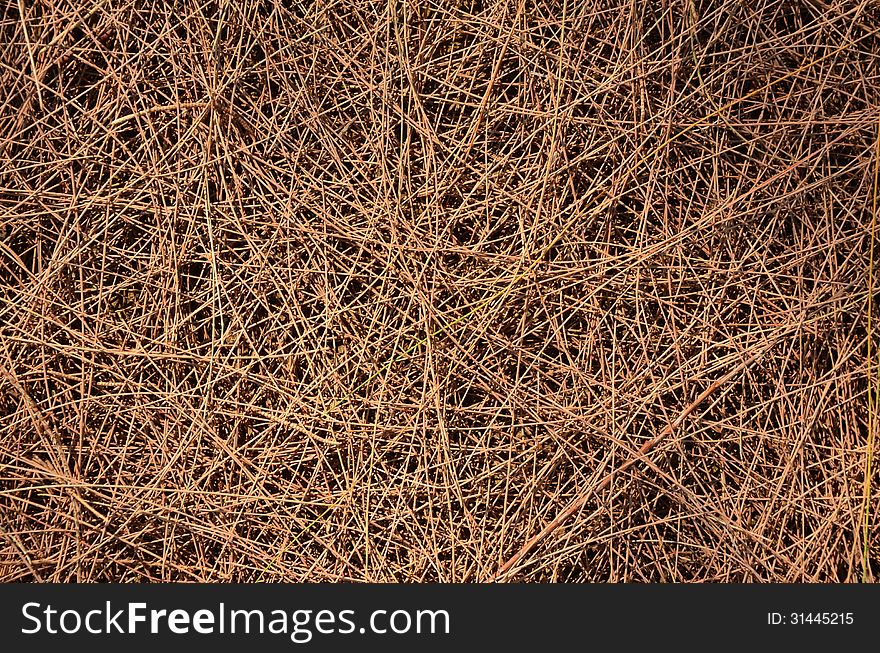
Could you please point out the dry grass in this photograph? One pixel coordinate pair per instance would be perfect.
(572, 291)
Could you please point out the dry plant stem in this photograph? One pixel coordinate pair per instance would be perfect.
(873, 376)
(523, 273)
(583, 498)
(30, 51)
(358, 291)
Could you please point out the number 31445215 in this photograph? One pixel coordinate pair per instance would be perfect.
(810, 618)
